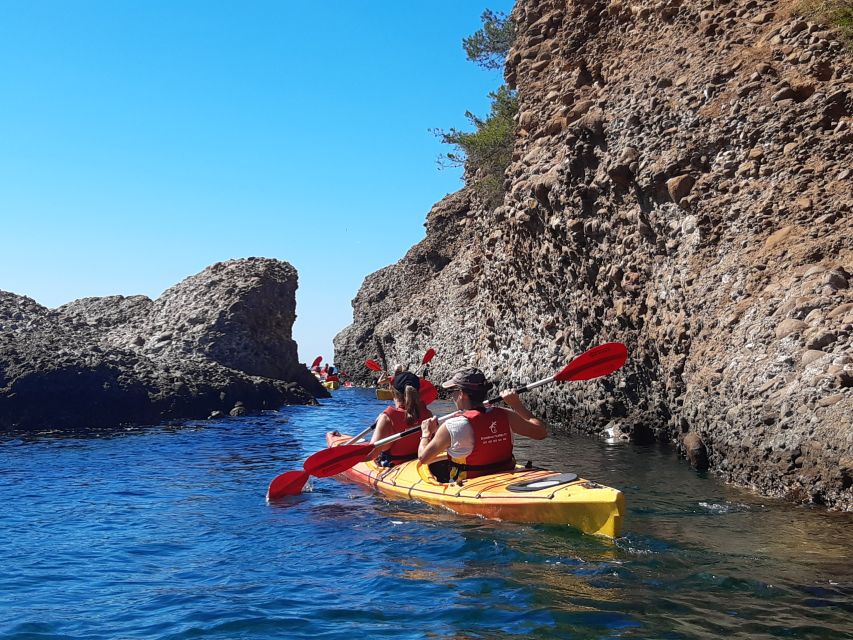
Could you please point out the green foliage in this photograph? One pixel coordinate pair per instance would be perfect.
(489, 46)
(487, 151)
(835, 13)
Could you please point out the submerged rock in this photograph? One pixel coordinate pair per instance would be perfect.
(218, 338)
(695, 451)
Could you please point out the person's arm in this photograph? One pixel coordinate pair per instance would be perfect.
(435, 440)
(384, 428)
(521, 420)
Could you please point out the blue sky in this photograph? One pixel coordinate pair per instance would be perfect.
(141, 142)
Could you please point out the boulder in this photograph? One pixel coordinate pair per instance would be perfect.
(219, 337)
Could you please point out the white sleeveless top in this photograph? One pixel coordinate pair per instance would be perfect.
(461, 437)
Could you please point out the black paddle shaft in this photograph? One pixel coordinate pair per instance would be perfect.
(523, 389)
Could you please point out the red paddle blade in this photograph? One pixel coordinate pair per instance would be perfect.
(598, 361)
(287, 484)
(317, 361)
(428, 392)
(334, 460)
(429, 355)
(373, 365)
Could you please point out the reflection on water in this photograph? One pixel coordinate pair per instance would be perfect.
(570, 585)
(165, 534)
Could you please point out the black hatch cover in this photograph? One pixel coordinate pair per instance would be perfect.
(544, 483)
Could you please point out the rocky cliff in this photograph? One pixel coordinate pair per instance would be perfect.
(682, 181)
(218, 338)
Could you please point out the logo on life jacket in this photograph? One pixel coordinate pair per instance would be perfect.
(494, 426)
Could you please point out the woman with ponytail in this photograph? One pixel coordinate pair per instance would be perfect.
(408, 410)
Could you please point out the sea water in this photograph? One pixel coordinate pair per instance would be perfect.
(164, 532)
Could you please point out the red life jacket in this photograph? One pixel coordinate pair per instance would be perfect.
(405, 448)
(492, 446)
(332, 378)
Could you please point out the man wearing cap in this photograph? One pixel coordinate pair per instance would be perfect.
(479, 440)
(408, 410)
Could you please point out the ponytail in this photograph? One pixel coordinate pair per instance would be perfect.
(412, 402)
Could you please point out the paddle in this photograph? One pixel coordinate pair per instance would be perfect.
(429, 355)
(292, 482)
(594, 363)
(428, 392)
(598, 361)
(381, 351)
(287, 484)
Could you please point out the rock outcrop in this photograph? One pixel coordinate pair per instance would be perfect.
(682, 181)
(218, 338)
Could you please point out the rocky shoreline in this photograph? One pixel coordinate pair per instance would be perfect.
(219, 341)
(681, 182)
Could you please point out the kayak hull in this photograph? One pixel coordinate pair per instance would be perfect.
(587, 506)
(333, 385)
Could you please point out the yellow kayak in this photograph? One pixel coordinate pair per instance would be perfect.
(384, 394)
(522, 495)
(334, 385)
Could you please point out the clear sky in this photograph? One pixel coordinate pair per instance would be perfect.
(142, 141)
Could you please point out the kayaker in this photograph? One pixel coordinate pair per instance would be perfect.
(388, 378)
(479, 441)
(331, 375)
(407, 411)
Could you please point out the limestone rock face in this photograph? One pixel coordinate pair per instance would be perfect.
(695, 202)
(220, 337)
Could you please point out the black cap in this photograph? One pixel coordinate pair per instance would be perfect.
(406, 379)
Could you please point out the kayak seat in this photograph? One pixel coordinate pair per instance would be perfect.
(543, 483)
(440, 470)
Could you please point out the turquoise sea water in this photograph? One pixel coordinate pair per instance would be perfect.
(164, 533)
